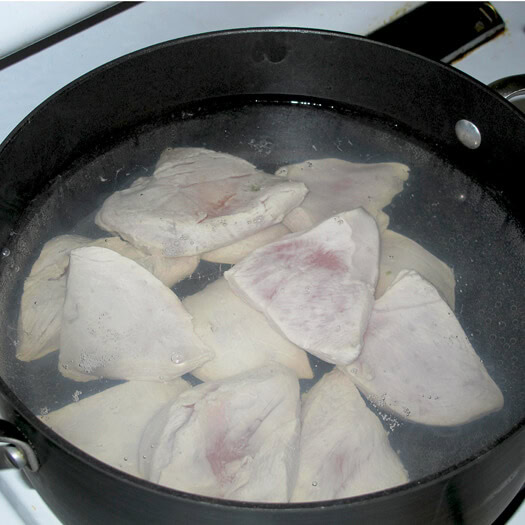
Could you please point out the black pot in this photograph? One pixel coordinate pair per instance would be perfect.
(127, 99)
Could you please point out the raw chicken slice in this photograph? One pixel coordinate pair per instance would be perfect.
(39, 319)
(316, 287)
(120, 322)
(337, 185)
(161, 216)
(234, 439)
(418, 363)
(45, 289)
(168, 270)
(240, 336)
(194, 165)
(399, 252)
(109, 425)
(344, 449)
(233, 253)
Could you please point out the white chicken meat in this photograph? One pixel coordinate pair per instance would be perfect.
(120, 322)
(239, 335)
(194, 165)
(109, 425)
(417, 361)
(235, 252)
(401, 253)
(344, 449)
(44, 292)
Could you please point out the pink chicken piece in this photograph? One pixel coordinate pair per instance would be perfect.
(337, 185)
(317, 287)
(417, 361)
(198, 203)
(344, 449)
(236, 438)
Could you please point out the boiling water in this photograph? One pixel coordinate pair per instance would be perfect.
(440, 208)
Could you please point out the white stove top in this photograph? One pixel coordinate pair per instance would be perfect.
(27, 83)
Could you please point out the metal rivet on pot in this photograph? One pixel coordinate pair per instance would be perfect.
(15, 456)
(468, 134)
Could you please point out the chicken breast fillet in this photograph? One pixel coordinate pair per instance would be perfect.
(344, 449)
(417, 361)
(120, 322)
(240, 336)
(234, 439)
(235, 252)
(401, 253)
(44, 292)
(337, 185)
(194, 207)
(109, 425)
(195, 165)
(316, 288)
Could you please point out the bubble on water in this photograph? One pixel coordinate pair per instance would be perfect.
(6, 252)
(177, 358)
(314, 483)
(89, 363)
(125, 459)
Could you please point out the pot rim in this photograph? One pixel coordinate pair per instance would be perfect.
(50, 435)
(253, 30)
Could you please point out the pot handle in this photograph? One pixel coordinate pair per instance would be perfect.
(17, 451)
(510, 87)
